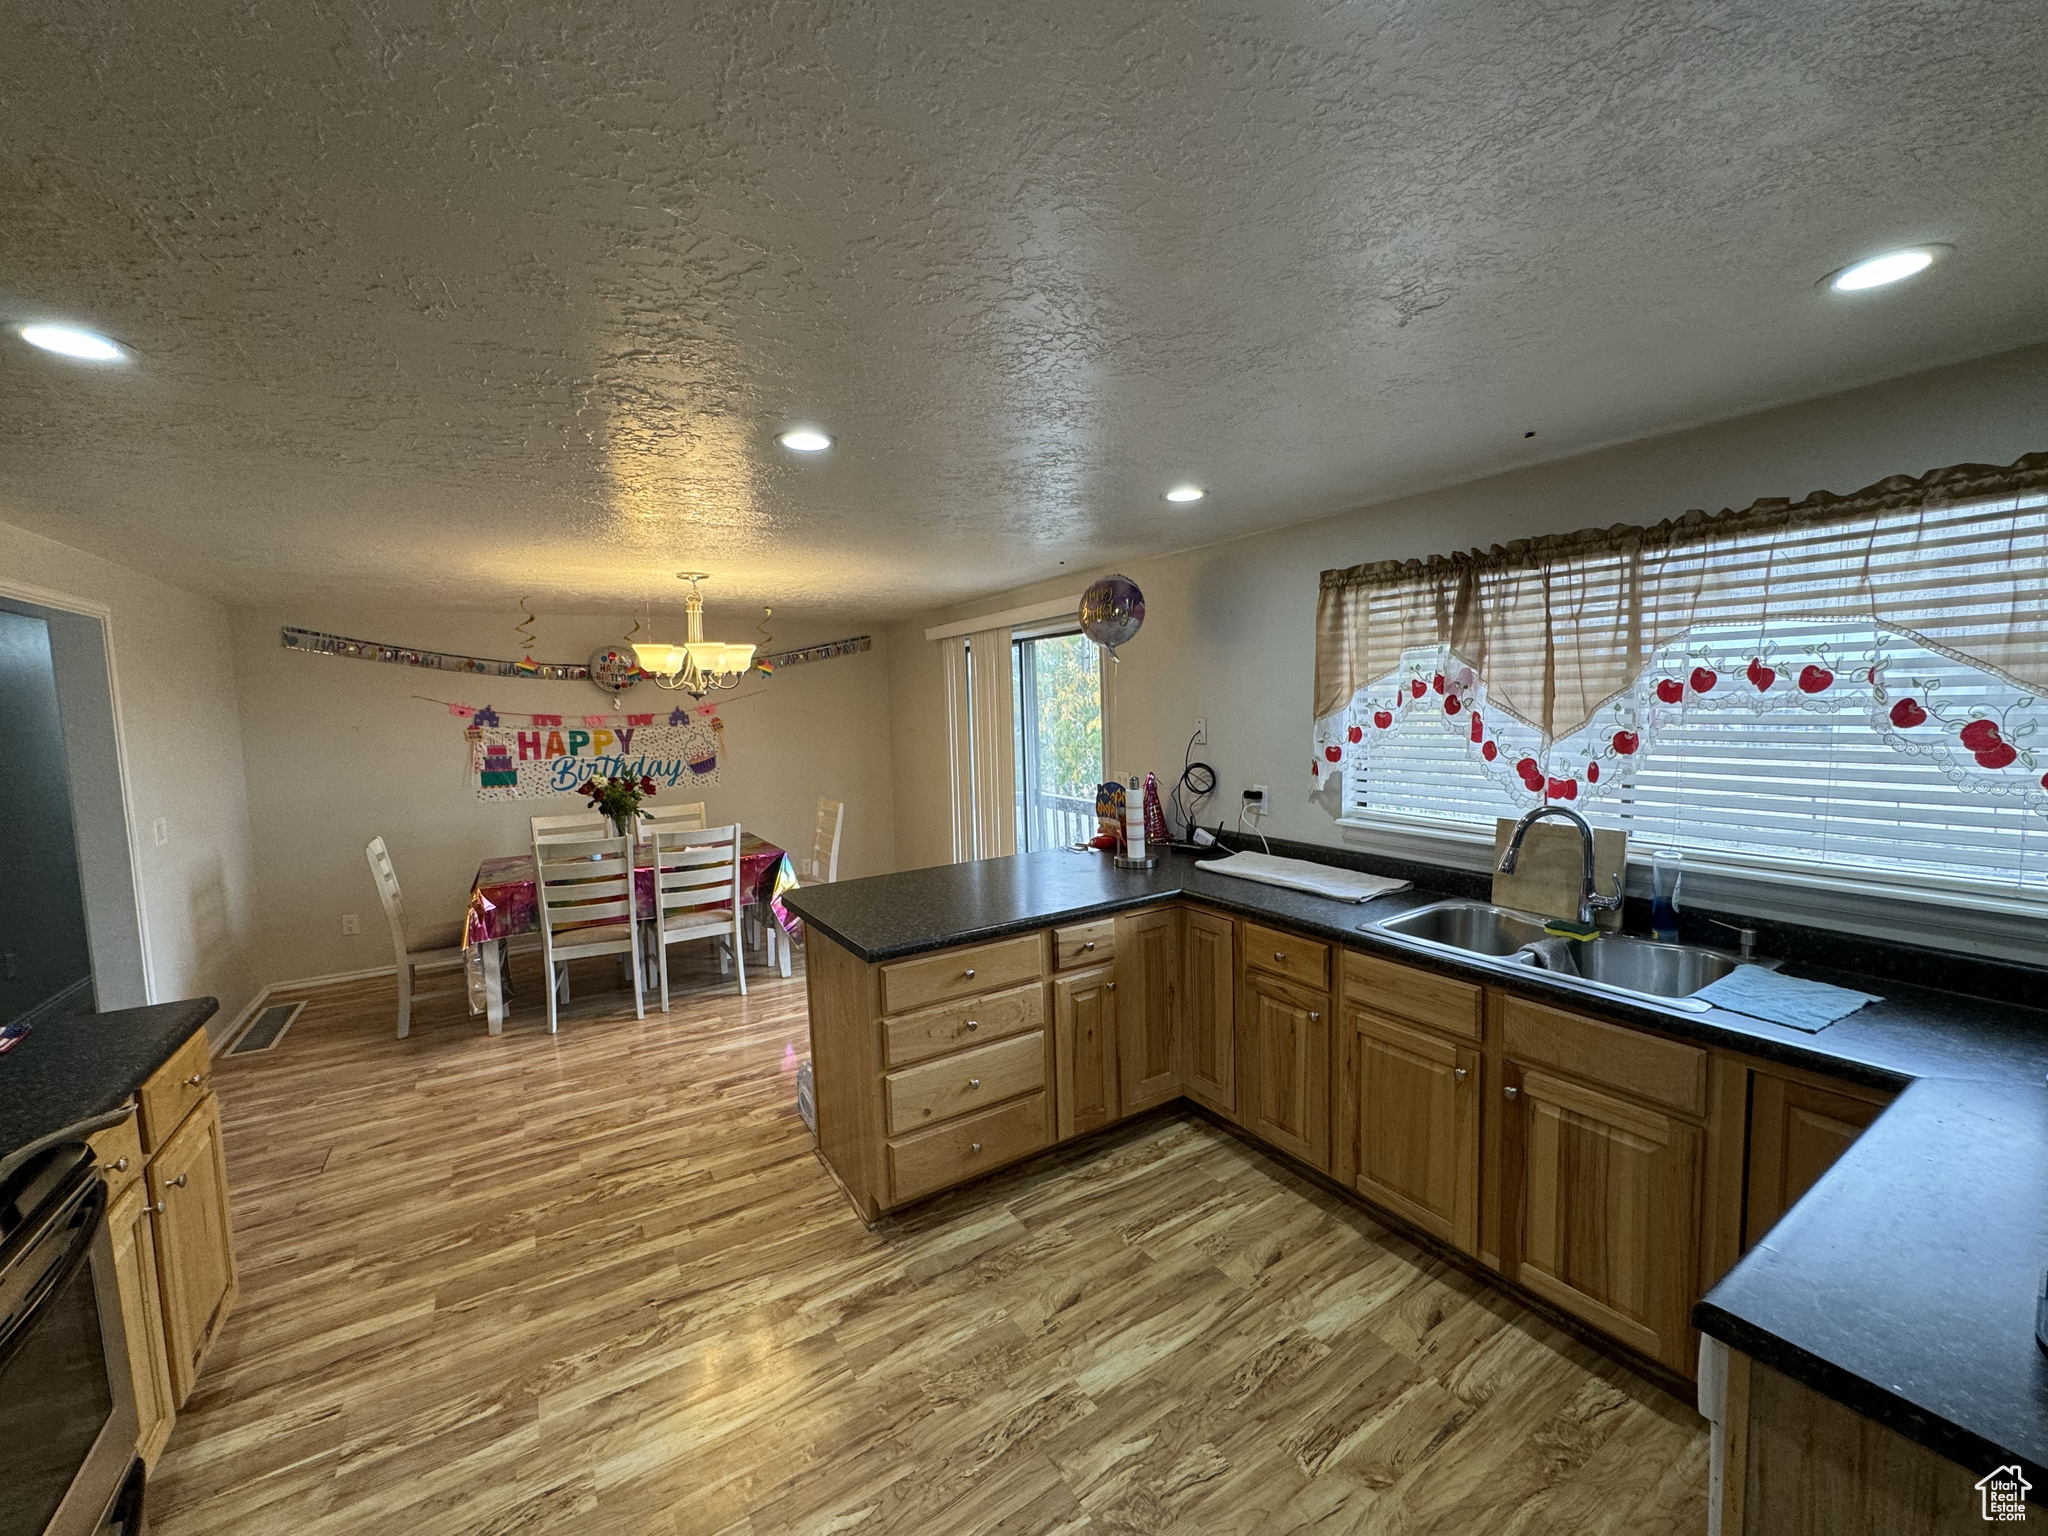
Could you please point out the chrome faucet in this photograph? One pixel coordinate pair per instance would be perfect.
(1588, 902)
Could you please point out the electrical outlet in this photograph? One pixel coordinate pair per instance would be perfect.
(1255, 799)
(161, 827)
(1201, 731)
(351, 923)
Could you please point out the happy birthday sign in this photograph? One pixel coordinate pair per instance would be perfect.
(509, 763)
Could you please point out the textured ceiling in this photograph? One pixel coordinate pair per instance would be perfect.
(453, 302)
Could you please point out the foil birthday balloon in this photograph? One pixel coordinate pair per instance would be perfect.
(1111, 611)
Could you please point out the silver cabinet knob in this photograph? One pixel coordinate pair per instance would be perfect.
(974, 1024)
(120, 1165)
(1089, 945)
(1513, 1093)
(1313, 1017)
(177, 1183)
(1458, 1073)
(158, 1208)
(969, 972)
(976, 1147)
(196, 1080)
(1109, 986)
(1278, 955)
(974, 1082)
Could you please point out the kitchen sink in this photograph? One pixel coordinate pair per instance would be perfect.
(1670, 973)
(1472, 926)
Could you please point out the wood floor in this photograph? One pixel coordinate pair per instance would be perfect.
(600, 1283)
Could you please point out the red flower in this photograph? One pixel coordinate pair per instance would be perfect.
(1355, 734)
(1592, 773)
(1625, 742)
(1761, 675)
(1672, 691)
(1907, 713)
(1703, 679)
(1451, 704)
(647, 785)
(1814, 679)
(1563, 789)
(1415, 687)
(1980, 735)
(1383, 718)
(1999, 756)
(1334, 754)
(1490, 752)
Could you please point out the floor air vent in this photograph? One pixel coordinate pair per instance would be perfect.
(267, 1030)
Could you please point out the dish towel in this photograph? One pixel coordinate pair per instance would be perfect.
(1778, 999)
(1301, 875)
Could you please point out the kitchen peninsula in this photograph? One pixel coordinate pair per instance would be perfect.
(1615, 1163)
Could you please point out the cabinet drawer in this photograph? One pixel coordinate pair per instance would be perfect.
(1284, 954)
(955, 973)
(953, 1153)
(172, 1091)
(1407, 993)
(966, 1080)
(1084, 944)
(1645, 1066)
(979, 1020)
(118, 1150)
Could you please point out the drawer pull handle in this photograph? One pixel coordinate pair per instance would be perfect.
(177, 1183)
(1313, 1017)
(974, 1082)
(1279, 955)
(1458, 1073)
(976, 1147)
(974, 1023)
(196, 1080)
(968, 973)
(1513, 1093)
(1109, 986)
(120, 1165)
(1089, 945)
(158, 1208)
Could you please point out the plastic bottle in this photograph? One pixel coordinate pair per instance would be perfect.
(1667, 868)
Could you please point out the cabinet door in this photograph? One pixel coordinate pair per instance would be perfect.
(1084, 1049)
(142, 1318)
(1418, 1127)
(1796, 1132)
(1285, 1065)
(1147, 1006)
(1604, 1209)
(1208, 1011)
(195, 1262)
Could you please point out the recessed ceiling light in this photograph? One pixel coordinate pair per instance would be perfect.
(1876, 271)
(69, 341)
(805, 440)
(1186, 493)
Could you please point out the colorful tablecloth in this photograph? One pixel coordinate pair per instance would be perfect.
(503, 902)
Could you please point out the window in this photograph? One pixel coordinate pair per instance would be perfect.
(1057, 683)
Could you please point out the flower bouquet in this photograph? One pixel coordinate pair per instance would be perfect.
(617, 797)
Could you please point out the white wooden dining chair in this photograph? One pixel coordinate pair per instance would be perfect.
(822, 867)
(697, 894)
(418, 949)
(583, 875)
(688, 818)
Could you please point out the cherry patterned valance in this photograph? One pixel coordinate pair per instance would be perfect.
(1922, 603)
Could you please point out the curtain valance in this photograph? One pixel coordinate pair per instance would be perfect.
(1555, 627)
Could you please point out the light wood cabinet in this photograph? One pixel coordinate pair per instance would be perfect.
(187, 1185)
(1284, 1065)
(1418, 1126)
(1603, 1208)
(1797, 1129)
(1148, 1007)
(1208, 1011)
(1085, 1050)
(130, 1220)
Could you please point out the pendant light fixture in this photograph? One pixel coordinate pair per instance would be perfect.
(697, 665)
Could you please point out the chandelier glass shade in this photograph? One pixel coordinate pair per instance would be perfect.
(697, 665)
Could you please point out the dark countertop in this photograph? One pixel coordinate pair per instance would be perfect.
(1860, 1292)
(70, 1069)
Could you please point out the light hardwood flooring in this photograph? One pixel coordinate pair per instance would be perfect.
(600, 1283)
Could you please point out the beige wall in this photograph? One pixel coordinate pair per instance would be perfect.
(1230, 629)
(340, 750)
(176, 700)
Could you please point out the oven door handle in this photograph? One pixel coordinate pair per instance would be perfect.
(84, 1210)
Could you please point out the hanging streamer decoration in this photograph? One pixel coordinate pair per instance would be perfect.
(319, 644)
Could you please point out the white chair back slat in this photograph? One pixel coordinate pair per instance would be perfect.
(385, 874)
(583, 875)
(824, 860)
(686, 817)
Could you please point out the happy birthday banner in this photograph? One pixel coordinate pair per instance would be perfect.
(508, 763)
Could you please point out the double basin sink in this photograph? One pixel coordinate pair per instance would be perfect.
(1644, 968)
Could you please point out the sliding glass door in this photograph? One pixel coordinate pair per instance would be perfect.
(1056, 681)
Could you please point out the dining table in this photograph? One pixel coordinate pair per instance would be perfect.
(503, 904)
